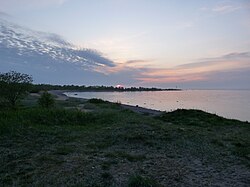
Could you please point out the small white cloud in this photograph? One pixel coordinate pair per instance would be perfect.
(225, 8)
(229, 6)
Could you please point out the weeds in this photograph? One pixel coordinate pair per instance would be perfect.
(108, 145)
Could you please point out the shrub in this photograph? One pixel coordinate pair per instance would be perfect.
(96, 101)
(46, 100)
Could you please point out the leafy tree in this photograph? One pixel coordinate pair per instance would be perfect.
(46, 100)
(14, 86)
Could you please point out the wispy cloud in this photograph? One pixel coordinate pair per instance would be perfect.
(136, 61)
(228, 7)
(139, 63)
(207, 72)
(204, 70)
(224, 7)
(235, 58)
(33, 1)
(27, 4)
(46, 48)
(236, 55)
(4, 15)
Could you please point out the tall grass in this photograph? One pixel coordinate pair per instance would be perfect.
(38, 116)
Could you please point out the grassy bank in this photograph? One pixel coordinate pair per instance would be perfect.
(95, 143)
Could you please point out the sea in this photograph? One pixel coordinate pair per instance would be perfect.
(231, 104)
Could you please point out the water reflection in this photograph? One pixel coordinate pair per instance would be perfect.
(228, 103)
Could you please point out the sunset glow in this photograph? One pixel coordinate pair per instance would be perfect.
(119, 86)
(151, 43)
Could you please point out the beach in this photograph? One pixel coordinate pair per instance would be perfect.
(60, 95)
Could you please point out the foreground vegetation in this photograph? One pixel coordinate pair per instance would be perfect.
(96, 143)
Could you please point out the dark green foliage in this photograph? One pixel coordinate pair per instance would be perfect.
(46, 100)
(106, 175)
(96, 101)
(194, 117)
(13, 87)
(55, 117)
(139, 181)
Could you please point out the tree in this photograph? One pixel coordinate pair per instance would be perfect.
(46, 100)
(14, 86)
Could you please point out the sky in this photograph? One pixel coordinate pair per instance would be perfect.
(170, 42)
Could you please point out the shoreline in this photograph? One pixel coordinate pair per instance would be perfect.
(60, 95)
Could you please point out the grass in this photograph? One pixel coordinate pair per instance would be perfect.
(51, 117)
(139, 181)
(110, 146)
(124, 155)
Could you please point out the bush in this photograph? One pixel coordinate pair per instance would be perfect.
(46, 100)
(96, 101)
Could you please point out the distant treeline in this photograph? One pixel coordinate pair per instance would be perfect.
(39, 87)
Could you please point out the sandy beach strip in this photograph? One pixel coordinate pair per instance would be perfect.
(60, 95)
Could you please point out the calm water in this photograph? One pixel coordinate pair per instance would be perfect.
(227, 103)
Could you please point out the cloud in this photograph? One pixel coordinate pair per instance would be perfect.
(27, 4)
(55, 56)
(135, 61)
(244, 55)
(230, 6)
(54, 38)
(4, 15)
(138, 63)
(234, 58)
(209, 71)
(95, 56)
(225, 8)
(19, 45)
(215, 72)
